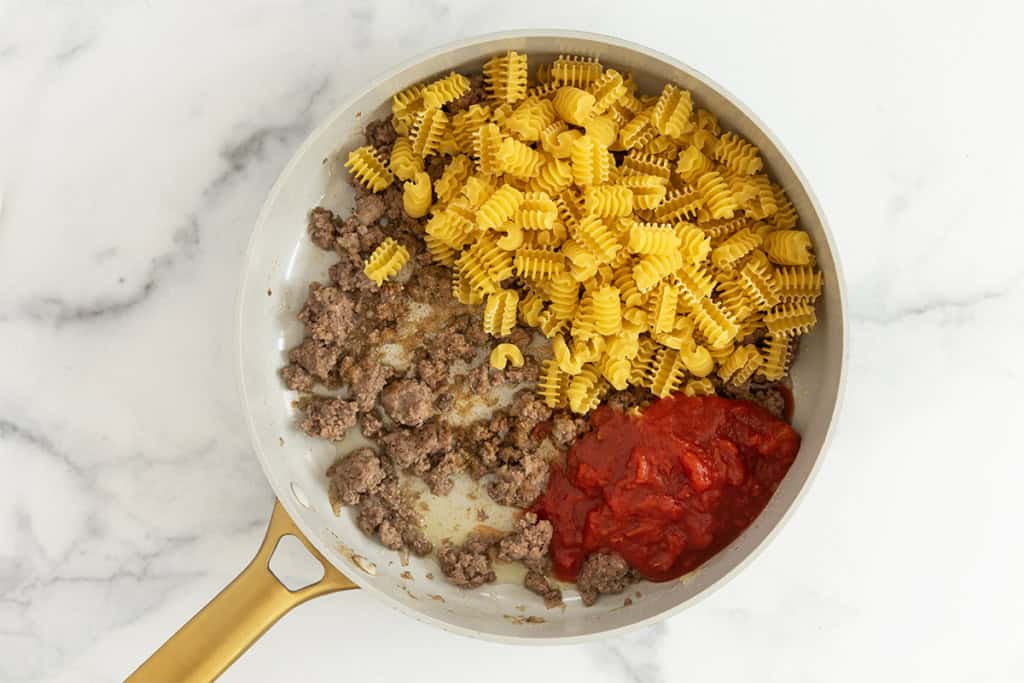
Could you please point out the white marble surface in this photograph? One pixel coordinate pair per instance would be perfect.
(136, 143)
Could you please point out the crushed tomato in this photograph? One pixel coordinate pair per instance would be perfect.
(668, 488)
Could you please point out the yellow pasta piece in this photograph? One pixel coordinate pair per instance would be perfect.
(652, 238)
(694, 242)
(716, 195)
(462, 290)
(606, 89)
(653, 268)
(568, 362)
(554, 176)
(505, 77)
(737, 155)
(604, 129)
(575, 71)
(595, 236)
(500, 311)
(503, 354)
(697, 359)
(791, 319)
(445, 90)
(699, 387)
(759, 282)
(450, 228)
(539, 263)
(578, 254)
(530, 118)
(428, 128)
(694, 283)
(530, 308)
(785, 216)
(638, 131)
(642, 366)
(788, 247)
(692, 164)
(366, 167)
(608, 200)
(513, 238)
(550, 325)
(714, 323)
(739, 367)
(476, 190)
(404, 164)
(616, 371)
(607, 311)
(591, 161)
(552, 384)
(417, 195)
(585, 390)
(549, 135)
(573, 105)
(518, 159)
(671, 113)
(411, 97)
(452, 178)
(385, 261)
(799, 283)
(662, 146)
(536, 211)
(719, 231)
(648, 191)
(499, 207)
(465, 124)
(679, 204)
(639, 163)
(439, 251)
(667, 372)
(777, 355)
(542, 91)
(663, 304)
(726, 255)
(486, 144)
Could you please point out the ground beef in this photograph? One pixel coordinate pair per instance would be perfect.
(315, 357)
(528, 411)
(389, 304)
(366, 378)
(468, 565)
(394, 207)
(354, 476)
(329, 314)
(450, 345)
(602, 574)
(563, 431)
(528, 543)
(411, 448)
(370, 425)
(483, 378)
(408, 402)
(327, 417)
(389, 515)
(433, 373)
(380, 133)
(431, 285)
(476, 94)
(538, 583)
(296, 378)
(369, 209)
(439, 477)
(322, 228)
(444, 401)
(529, 372)
(521, 337)
(768, 396)
(519, 484)
(628, 398)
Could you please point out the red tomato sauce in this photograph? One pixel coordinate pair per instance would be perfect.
(668, 488)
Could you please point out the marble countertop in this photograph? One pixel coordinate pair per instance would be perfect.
(137, 141)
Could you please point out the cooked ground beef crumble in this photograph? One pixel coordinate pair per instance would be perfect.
(406, 412)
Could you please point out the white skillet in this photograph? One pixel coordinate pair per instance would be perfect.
(281, 261)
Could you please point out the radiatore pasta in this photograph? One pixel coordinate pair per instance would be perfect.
(643, 241)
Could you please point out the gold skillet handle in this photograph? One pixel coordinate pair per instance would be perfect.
(215, 637)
